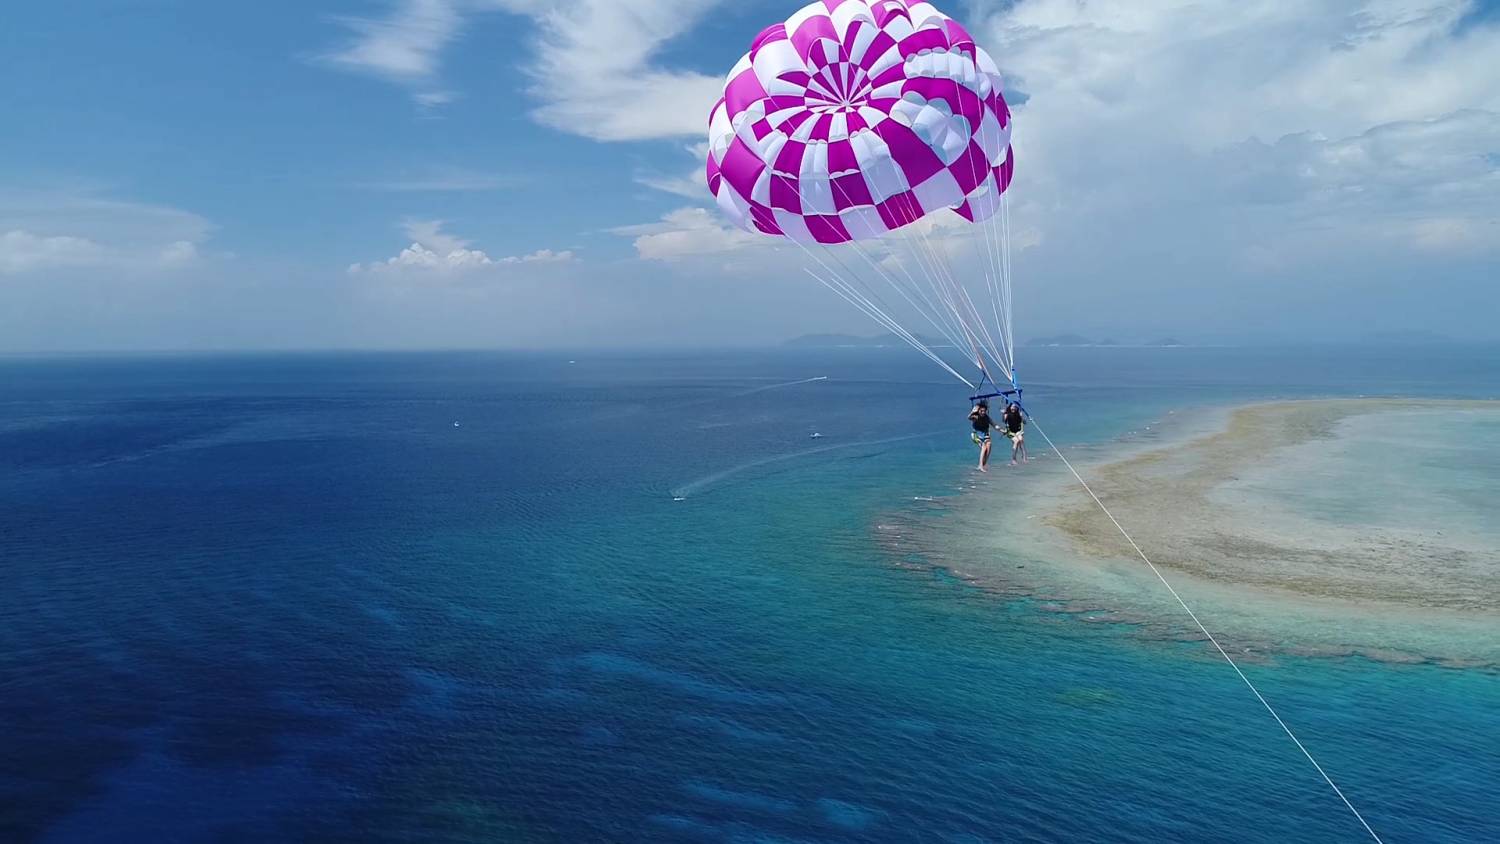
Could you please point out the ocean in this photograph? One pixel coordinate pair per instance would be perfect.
(629, 596)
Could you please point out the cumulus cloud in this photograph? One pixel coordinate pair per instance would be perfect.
(1158, 144)
(419, 257)
(436, 253)
(23, 251)
(1267, 99)
(688, 232)
(430, 234)
(1261, 144)
(541, 256)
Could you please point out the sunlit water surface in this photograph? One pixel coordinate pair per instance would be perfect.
(452, 598)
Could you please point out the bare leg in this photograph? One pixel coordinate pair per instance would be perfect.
(984, 456)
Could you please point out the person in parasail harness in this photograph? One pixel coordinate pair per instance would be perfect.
(979, 417)
(1015, 428)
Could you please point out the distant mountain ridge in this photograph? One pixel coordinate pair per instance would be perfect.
(1080, 340)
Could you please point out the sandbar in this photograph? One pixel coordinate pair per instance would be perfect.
(1323, 526)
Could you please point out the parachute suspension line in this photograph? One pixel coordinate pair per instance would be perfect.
(1009, 279)
(973, 313)
(863, 299)
(872, 294)
(965, 342)
(868, 293)
(852, 297)
(999, 247)
(758, 136)
(998, 284)
(931, 271)
(955, 328)
(947, 286)
(992, 266)
(847, 291)
(950, 331)
(989, 267)
(1204, 630)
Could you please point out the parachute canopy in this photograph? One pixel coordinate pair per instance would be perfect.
(850, 131)
(855, 118)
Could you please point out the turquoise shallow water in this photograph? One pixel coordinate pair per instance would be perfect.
(284, 598)
(1370, 532)
(1430, 468)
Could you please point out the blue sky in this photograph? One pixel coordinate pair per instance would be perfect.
(180, 174)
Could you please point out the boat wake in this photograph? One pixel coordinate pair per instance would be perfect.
(707, 482)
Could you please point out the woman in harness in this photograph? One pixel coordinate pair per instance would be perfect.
(1015, 428)
(979, 417)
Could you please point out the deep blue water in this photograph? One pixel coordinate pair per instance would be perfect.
(284, 598)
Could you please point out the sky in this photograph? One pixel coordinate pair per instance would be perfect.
(528, 173)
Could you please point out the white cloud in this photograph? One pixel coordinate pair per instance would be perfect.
(436, 253)
(689, 185)
(696, 232)
(434, 99)
(404, 47)
(1158, 144)
(1268, 98)
(96, 217)
(49, 230)
(592, 63)
(541, 256)
(689, 232)
(1237, 68)
(1261, 144)
(430, 234)
(595, 77)
(419, 257)
(179, 253)
(1455, 235)
(22, 251)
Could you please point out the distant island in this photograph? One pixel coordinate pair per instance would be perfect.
(1417, 337)
(846, 341)
(1080, 340)
(1061, 340)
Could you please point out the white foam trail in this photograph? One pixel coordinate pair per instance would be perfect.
(703, 483)
(779, 386)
